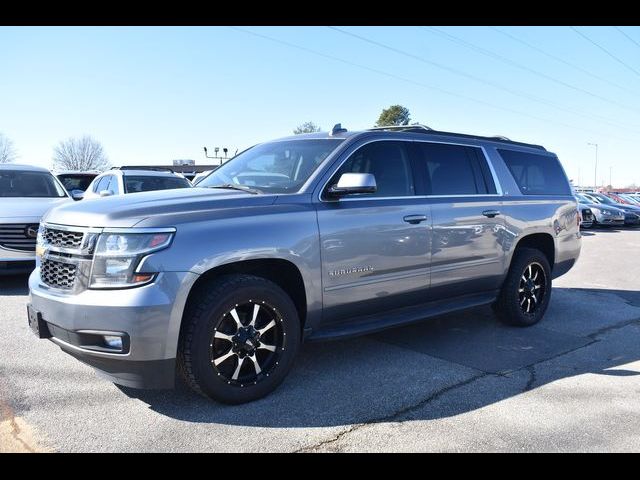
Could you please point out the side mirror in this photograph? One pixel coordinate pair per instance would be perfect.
(106, 193)
(77, 194)
(353, 183)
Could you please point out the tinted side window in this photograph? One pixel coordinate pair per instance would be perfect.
(388, 161)
(454, 169)
(536, 174)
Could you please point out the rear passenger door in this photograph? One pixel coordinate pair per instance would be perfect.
(467, 254)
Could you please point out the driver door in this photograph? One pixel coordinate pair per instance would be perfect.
(375, 247)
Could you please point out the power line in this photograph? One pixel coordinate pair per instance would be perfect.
(455, 71)
(621, 62)
(420, 84)
(561, 60)
(631, 39)
(508, 61)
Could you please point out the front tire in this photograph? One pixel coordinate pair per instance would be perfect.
(239, 340)
(526, 292)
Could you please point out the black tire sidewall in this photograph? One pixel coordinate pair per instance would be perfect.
(509, 304)
(206, 377)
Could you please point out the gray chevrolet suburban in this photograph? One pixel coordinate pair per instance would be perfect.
(315, 237)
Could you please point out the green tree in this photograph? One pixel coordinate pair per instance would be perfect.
(306, 127)
(394, 115)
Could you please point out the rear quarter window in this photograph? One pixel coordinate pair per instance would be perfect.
(536, 174)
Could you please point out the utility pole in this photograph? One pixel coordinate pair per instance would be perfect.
(610, 184)
(595, 171)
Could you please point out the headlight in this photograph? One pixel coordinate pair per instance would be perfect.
(606, 212)
(117, 255)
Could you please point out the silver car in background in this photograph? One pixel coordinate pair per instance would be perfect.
(26, 194)
(604, 215)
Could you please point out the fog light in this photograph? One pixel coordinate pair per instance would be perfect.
(113, 342)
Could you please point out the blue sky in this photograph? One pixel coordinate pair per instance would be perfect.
(153, 94)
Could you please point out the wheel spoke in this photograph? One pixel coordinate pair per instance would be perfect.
(535, 300)
(537, 287)
(528, 304)
(221, 359)
(238, 368)
(255, 363)
(523, 279)
(256, 309)
(223, 336)
(529, 270)
(270, 325)
(520, 290)
(536, 275)
(524, 299)
(264, 346)
(234, 314)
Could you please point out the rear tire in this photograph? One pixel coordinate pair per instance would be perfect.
(526, 292)
(240, 337)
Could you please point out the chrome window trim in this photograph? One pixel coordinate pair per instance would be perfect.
(496, 181)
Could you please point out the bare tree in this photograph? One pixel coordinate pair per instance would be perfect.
(7, 150)
(82, 153)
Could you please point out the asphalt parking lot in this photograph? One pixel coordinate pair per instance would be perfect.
(457, 383)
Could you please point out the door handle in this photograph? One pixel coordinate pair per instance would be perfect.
(491, 213)
(414, 219)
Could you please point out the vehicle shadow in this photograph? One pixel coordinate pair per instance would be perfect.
(377, 377)
(14, 285)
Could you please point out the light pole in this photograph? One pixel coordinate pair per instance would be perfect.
(595, 171)
(610, 184)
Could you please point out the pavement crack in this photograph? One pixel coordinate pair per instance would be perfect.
(532, 378)
(594, 336)
(395, 415)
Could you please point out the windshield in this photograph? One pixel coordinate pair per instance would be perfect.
(25, 183)
(275, 167)
(76, 182)
(604, 199)
(583, 199)
(142, 183)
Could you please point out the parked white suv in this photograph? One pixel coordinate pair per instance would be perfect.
(125, 180)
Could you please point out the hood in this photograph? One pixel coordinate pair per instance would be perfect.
(126, 211)
(28, 207)
(601, 206)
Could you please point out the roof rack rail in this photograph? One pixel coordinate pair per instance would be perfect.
(404, 128)
(426, 130)
(144, 167)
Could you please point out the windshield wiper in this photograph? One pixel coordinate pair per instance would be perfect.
(235, 186)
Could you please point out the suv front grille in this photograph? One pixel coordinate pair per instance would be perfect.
(62, 238)
(58, 274)
(19, 236)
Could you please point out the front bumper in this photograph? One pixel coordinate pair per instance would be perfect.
(16, 262)
(150, 317)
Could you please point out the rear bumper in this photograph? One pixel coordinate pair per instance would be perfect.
(149, 317)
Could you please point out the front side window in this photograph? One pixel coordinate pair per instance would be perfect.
(102, 184)
(536, 174)
(275, 167)
(389, 163)
(113, 185)
(148, 183)
(24, 183)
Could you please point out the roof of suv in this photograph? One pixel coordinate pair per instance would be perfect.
(413, 129)
(17, 166)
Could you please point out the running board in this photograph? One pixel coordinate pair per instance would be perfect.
(395, 318)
